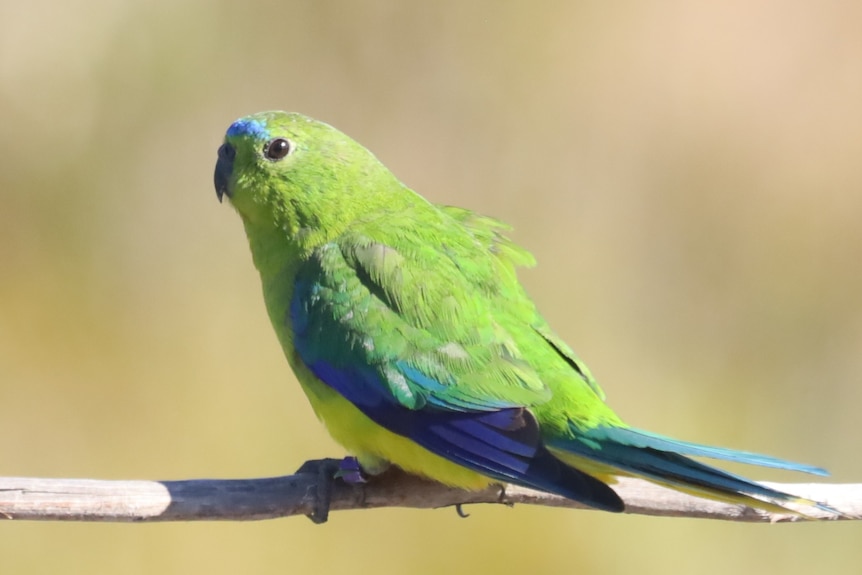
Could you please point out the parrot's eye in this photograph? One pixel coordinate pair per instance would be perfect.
(277, 149)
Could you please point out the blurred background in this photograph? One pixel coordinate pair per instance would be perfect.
(688, 177)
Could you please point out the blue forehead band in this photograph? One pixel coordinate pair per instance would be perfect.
(248, 127)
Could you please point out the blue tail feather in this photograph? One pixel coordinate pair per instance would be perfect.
(645, 439)
(665, 460)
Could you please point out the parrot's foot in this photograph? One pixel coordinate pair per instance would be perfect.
(351, 472)
(327, 471)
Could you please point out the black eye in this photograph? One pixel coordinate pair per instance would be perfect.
(277, 149)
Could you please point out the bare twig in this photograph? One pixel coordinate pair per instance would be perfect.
(267, 498)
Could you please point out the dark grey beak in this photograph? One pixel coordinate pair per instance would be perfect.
(223, 170)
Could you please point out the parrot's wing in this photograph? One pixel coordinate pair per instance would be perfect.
(489, 232)
(371, 323)
(425, 323)
(366, 306)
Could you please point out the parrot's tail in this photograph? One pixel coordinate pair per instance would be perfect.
(605, 452)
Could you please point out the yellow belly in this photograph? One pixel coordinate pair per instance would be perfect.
(374, 446)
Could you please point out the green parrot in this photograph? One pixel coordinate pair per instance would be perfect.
(406, 325)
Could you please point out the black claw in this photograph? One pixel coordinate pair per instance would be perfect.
(459, 509)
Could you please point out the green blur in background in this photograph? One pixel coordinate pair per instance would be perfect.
(688, 176)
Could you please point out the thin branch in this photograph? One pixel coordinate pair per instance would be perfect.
(268, 498)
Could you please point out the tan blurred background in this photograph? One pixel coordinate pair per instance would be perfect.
(688, 176)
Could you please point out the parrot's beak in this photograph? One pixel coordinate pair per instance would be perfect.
(223, 170)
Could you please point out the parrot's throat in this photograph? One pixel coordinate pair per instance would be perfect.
(273, 248)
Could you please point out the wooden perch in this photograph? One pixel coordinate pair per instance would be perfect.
(268, 498)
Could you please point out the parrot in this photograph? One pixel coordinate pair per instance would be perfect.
(413, 339)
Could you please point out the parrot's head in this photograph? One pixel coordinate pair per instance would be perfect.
(299, 175)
